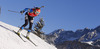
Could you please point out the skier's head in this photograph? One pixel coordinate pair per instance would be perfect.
(37, 10)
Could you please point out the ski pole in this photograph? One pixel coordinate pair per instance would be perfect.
(19, 12)
(13, 11)
(0, 10)
(42, 7)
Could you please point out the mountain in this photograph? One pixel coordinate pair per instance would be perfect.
(9, 40)
(84, 37)
(75, 45)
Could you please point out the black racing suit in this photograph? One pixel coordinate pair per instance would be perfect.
(28, 19)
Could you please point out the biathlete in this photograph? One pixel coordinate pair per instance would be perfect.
(29, 17)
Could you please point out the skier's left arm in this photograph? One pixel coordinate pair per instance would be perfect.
(26, 9)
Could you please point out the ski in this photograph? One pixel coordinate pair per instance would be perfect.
(29, 40)
(19, 36)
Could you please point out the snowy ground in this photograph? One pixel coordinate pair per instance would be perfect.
(9, 40)
(89, 42)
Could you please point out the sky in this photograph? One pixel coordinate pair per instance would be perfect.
(57, 14)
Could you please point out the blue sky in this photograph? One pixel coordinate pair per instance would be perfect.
(58, 14)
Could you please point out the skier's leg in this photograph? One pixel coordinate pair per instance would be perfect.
(30, 26)
(27, 35)
(26, 21)
(24, 25)
(31, 19)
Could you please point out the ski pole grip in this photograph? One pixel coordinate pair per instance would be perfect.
(42, 7)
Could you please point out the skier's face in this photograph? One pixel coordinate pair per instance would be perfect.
(37, 12)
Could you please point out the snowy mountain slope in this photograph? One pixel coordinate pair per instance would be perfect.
(9, 40)
(82, 36)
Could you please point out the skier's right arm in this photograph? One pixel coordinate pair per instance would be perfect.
(26, 9)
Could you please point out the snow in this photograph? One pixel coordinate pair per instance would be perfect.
(9, 40)
(89, 42)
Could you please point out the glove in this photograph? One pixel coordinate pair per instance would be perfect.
(22, 12)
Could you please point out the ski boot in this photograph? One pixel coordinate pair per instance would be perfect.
(27, 36)
(18, 32)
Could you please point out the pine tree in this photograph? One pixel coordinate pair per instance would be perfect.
(38, 27)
